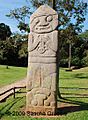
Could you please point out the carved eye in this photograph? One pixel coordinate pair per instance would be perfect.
(49, 18)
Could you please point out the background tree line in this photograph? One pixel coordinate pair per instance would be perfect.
(13, 50)
(73, 44)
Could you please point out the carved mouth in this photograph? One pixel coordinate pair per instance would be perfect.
(43, 27)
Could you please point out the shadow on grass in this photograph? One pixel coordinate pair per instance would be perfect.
(68, 106)
(78, 75)
(71, 106)
(81, 76)
(6, 108)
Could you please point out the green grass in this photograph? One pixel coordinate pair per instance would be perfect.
(73, 107)
(13, 74)
(75, 78)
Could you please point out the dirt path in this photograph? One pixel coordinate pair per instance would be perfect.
(20, 83)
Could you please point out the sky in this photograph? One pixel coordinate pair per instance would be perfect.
(7, 5)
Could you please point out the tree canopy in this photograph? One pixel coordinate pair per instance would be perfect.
(4, 31)
(68, 11)
(71, 17)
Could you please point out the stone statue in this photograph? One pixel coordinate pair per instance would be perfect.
(42, 60)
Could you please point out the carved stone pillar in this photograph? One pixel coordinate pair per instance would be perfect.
(42, 61)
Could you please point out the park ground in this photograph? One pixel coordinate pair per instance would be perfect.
(72, 106)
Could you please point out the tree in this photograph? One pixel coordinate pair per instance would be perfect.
(21, 15)
(8, 52)
(20, 42)
(53, 4)
(13, 50)
(4, 31)
(84, 37)
(78, 49)
(23, 54)
(70, 37)
(68, 10)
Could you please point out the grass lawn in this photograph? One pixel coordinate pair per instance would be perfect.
(72, 107)
(11, 75)
(76, 78)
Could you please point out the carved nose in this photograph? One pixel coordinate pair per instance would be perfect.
(43, 21)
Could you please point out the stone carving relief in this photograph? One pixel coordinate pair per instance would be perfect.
(44, 20)
(42, 48)
(46, 23)
(43, 44)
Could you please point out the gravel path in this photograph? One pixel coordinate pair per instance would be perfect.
(20, 83)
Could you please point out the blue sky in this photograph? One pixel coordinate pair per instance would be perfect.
(7, 5)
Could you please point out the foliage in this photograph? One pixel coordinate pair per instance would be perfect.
(84, 35)
(23, 26)
(67, 10)
(21, 14)
(8, 52)
(13, 51)
(85, 58)
(23, 54)
(4, 31)
(70, 36)
(78, 51)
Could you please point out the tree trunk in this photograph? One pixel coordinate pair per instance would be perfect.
(69, 59)
(53, 4)
(7, 67)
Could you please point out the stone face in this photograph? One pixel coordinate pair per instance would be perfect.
(42, 60)
(45, 19)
